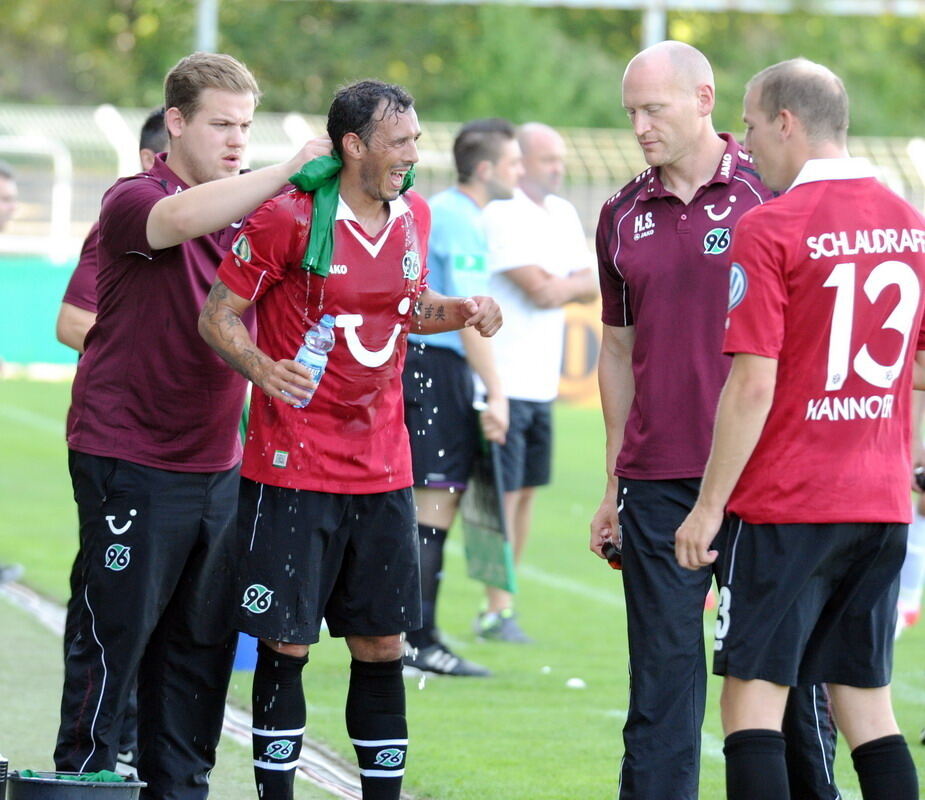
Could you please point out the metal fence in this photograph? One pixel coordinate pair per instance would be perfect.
(66, 157)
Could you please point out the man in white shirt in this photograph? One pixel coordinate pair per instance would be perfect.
(539, 260)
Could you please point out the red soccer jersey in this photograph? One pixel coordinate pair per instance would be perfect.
(351, 438)
(827, 279)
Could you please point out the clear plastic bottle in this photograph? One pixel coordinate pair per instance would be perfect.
(319, 339)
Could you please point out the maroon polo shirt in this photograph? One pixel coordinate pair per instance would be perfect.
(664, 269)
(149, 389)
(81, 288)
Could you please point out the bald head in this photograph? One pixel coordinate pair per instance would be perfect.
(684, 66)
(533, 135)
(668, 94)
(543, 159)
(811, 92)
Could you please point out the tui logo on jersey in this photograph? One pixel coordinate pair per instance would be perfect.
(391, 757)
(257, 598)
(350, 323)
(719, 216)
(118, 557)
(411, 266)
(280, 749)
(738, 285)
(716, 242)
(242, 248)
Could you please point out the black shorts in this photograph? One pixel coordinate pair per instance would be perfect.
(526, 455)
(442, 424)
(351, 559)
(809, 603)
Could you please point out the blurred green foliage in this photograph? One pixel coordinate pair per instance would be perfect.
(560, 65)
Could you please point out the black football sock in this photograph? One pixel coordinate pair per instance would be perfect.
(431, 542)
(377, 726)
(279, 721)
(885, 769)
(756, 768)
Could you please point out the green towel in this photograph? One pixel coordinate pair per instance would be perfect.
(103, 776)
(322, 176)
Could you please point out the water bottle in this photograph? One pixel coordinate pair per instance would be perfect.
(319, 339)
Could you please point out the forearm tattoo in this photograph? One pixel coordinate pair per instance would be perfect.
(432, 312)
(227, 335)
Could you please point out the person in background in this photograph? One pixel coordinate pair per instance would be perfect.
(539, 260)
(439, 390)
(9, 194)
(78, 307)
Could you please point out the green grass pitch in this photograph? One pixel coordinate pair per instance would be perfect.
(521, 734)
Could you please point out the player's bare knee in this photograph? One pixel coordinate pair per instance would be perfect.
(287, 648)
(375, 648)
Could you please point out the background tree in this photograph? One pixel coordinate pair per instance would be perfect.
(560, 65)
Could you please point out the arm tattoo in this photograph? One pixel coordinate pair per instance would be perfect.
(227, 335)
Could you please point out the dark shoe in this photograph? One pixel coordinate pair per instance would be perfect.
(440, 660)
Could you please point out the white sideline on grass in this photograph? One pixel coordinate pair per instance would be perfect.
(317, 764)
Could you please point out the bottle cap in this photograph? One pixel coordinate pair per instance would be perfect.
(327, 320)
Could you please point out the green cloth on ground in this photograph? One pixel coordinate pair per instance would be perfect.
(103, 776)
(322, 176)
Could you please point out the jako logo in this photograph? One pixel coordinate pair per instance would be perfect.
(727, 165)
(338, 269)
(391, 757)
(257, 598)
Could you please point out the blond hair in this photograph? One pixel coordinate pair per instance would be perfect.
(185, 83)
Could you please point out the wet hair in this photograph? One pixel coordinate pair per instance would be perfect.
(153, 132)
(354, 109)
(811, 92)
(480, 140)
(185, 83)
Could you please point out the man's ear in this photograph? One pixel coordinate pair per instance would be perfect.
(706, 99)
(483, 170)
(174, 121)
(352, 146)
(787, 123)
